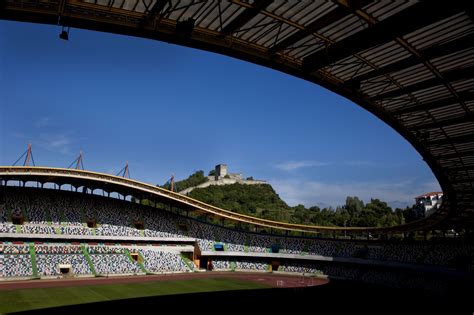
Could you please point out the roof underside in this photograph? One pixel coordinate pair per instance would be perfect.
(409, 63)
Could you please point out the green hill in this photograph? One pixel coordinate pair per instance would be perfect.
(193, 180)
(256, 200)
(263, 202)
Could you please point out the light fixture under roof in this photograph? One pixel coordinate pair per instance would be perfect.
(64, 35)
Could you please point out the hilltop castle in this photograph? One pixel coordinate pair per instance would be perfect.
(222, 177)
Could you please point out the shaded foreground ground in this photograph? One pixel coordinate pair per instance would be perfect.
(231, 293)
(42, 294)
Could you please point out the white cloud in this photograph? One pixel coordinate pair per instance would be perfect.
(368, 163)
(360, 163)
(312, 193)
(294, 165)
(42, 122)
(55, 142)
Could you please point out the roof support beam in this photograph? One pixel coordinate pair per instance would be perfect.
(462, 181)
(461, 168)
(444, 123)
(451, 140)
(463, 97)
(157, 7)
(448, 76)
(420, 15)
(321, 22)
(154, 11)
(245, 16)
(447, 156)
(425, 54)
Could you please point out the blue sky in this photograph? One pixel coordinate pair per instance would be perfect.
(169, 109)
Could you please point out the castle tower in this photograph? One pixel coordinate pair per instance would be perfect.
(221, 171)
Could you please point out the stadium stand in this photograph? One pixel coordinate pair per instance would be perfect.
(117, 246)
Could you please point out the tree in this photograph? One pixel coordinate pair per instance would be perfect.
(399, 216)
(409, 214)
(341, 217)
(300, 215)
(378, 207)
(258, 200)
(354, 205)
(314, 209)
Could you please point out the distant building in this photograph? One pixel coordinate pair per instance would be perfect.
(429, 202)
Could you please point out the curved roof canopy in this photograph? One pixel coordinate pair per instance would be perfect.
(409, 63)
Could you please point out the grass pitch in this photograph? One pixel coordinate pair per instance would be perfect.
(38, 298)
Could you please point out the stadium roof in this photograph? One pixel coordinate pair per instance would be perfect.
(409, 63)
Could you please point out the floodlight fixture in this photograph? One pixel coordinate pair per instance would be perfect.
(64, 34)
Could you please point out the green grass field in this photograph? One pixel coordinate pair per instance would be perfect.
(29, 299)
